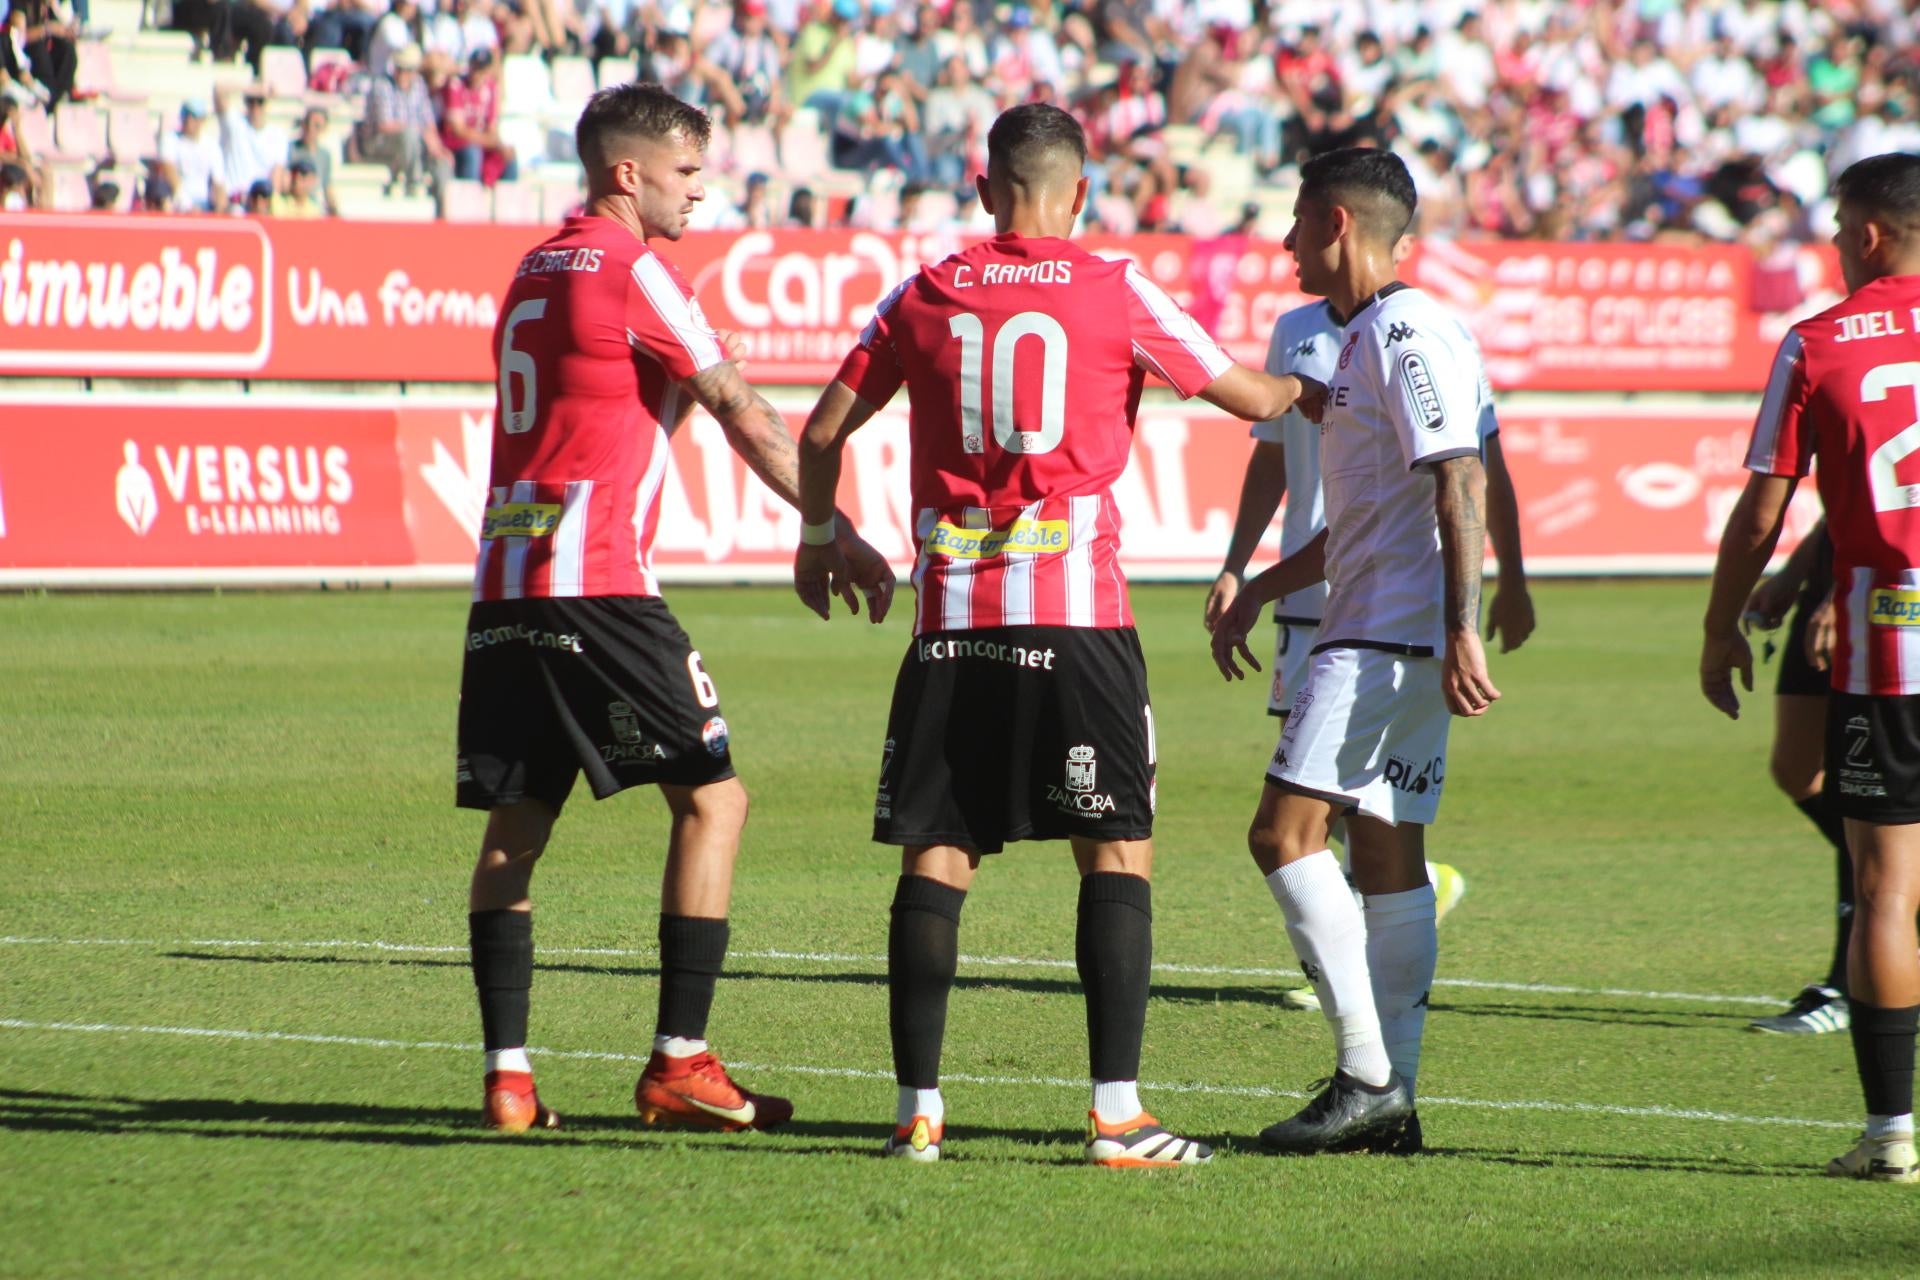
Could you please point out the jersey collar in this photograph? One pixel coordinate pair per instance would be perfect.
(1385, 291)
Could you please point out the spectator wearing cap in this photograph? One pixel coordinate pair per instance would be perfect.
(259, 201)
(253, 150)
(193, 164)
(309, 149)
(302, 199)
(470, 124)
(104, 197)
(1023, 55)
(156, 193)
(820, 66)
(400, 131)
(747, 54)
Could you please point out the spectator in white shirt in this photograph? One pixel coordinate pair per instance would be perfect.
(394, 31)
(192, 163)
(254, 151)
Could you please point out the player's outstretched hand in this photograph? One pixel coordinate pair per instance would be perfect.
(1230, 632)
(1769, 604)
(821, 573)
(1463, 676)
(1510, 617)
(1312, 403)
(1225, 588)
(1820, 635)
(870, 573)
(1720, 657)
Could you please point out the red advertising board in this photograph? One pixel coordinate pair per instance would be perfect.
(154, 489)
(373, 302)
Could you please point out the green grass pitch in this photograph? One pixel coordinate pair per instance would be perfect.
(211, 805)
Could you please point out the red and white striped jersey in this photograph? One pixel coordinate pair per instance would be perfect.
(594, 338)
(1845, 392)
(1023, 359)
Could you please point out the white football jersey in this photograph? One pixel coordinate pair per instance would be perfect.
(1305, 341)
(1408, 389)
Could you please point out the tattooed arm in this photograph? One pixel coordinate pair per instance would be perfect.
(1459, 504)
(758, 434)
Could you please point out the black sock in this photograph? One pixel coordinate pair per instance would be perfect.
(923, 950)
(1114, 947)
(502, 946)
(1834, 828)
(692, 951)
(1883, 1051)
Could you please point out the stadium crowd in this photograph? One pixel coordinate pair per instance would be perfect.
(1615, 119)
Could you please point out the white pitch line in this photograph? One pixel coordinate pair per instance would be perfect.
(858, 1073)
(833, 957)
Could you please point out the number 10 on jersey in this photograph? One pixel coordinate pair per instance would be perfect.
(971, 333)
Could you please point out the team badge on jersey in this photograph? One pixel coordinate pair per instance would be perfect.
(1346, 352)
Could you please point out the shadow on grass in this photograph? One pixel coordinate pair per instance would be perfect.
(1621, 1160)
(1162, 991)
(965, 982)
(1679, 1020)
(26, 1110)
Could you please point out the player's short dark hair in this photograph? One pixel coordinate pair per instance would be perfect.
(1374, 185)
(1887, 186)
(636, 110)
(1025, 138)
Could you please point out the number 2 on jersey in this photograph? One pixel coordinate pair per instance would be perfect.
(1888, 493)
(972, 333)
(518, 421)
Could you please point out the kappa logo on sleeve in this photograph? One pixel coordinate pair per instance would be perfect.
(1398, 333)
(1422, 392)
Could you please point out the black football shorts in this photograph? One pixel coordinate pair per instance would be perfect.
(608, 685)
(1873, 757)
(1018, 733)
(1798, 677)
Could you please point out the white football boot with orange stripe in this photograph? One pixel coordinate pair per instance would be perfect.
(1140, 1143)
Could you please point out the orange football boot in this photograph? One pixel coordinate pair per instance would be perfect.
(696, 1093)
(513, 1106)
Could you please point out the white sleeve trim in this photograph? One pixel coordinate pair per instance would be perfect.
(887, 304)
(688, 325)
(1177, 324)
(1763, 453)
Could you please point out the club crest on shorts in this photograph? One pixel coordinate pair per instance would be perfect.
(625, 722)
(714, 734)
(886, 761)
(1080, 768)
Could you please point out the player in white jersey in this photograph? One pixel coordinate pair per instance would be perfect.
(1286, 462)
(1399, 648)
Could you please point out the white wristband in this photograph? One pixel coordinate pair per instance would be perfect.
(819, 535)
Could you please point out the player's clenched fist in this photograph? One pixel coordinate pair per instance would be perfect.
(1463, 676)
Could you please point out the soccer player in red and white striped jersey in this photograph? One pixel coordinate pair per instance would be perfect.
(1021, 709)
(573, 663)
(1845, 393)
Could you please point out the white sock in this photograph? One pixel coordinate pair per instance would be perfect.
(919, 1102)
(1403, 946)
(508, 1060)
(1433, 876)
(678, 1046)
(1881, 1127)
(1116, 1100)
(1330, 937)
